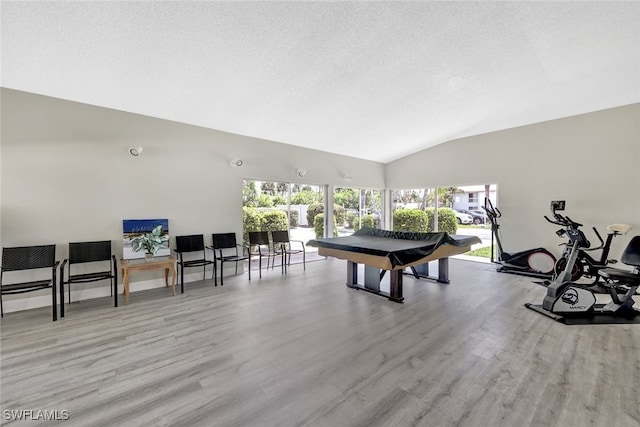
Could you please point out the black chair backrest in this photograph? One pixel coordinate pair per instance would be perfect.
(28, 257)
(224, 240)
(259, 238)
(631, 255)
(280, 236)
(80, 252)
(191, 243)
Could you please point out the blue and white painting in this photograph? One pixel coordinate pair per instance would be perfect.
(142, 236)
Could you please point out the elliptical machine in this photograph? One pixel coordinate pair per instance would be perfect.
(566, 300)
(537, 262)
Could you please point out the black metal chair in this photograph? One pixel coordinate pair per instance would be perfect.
(225, 249)
(260, 246)
(29, 258)
(190, 244)
(90, 252)
(281, 239)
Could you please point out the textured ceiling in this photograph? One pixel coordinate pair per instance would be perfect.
(375, 80)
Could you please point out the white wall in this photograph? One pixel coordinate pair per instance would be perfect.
(591, 161)
(67, 175)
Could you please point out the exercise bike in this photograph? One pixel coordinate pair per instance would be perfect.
(566, 300)
(537, 262)
(585, 264)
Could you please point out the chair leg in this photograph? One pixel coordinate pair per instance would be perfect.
(221, 273)
(1, 306)
(214, 270)
(181, 267)
(54, 301)
(115, 290)
(61, 291)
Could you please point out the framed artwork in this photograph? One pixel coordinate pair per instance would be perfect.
(145, 238)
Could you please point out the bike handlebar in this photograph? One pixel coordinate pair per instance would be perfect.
(563, 221)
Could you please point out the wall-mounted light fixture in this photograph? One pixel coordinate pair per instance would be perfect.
(236, 163)
(347, 178)
(135, 151)
(301, 172)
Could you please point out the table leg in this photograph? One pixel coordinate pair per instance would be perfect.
(174, 274)
(372, 278)
(443, 270)
(125, 279)
(352, 274)
(166, 277)
(395, 292)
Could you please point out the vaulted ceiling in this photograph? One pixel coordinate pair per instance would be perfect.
(374, 80)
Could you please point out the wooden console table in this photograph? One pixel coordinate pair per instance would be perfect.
(145, 264)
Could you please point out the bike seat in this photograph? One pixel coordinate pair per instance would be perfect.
(619, 228)
(626, 277)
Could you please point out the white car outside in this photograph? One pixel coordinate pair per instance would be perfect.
(463, 218)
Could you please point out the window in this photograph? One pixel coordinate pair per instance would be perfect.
(355, 208)
(406, 203)
(473, 201)
(274, 206)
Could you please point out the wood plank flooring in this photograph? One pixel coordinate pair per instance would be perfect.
(304, 350)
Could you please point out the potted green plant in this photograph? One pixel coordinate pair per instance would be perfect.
(149, 242)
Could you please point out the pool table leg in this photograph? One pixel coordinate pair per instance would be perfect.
(395, 292)
(352, 275)
(443, 270)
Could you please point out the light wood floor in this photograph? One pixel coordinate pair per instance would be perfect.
(302, 349)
